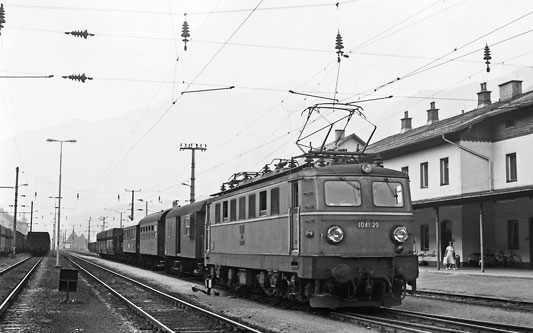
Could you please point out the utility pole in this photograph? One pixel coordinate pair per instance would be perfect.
(132, 200)
(15, 215)
(89, 232)
(102, 218)
(15, 207)
(31, 217)
(192, 147)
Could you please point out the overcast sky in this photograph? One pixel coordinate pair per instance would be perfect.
(131, 118)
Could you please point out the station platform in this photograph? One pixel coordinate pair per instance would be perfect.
(514, 284)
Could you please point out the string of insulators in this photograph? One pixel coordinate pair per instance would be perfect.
(487, 57)
(2, 17)
(79, 33)
(78, 77)
(339, 46)
(185, 33)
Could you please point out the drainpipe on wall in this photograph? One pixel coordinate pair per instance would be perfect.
(482, 252)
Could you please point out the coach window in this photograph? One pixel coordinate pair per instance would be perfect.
(225, 211)
(217, 213)
(342, 192)
(242, 208)
(251, 206)
(233, 210)
(263, 203)
(187, 231)
(274, 201)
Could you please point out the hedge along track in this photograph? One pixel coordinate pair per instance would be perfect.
(164, 312)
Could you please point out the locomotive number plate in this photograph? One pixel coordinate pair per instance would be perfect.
(368, 225)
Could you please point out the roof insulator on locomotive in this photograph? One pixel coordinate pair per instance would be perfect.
(309, 160)
(378, 161)
(281, 164)
(292, 163)
(321, 162)
(223, 187)
(185, 32)
(265, 169)
(487, 56)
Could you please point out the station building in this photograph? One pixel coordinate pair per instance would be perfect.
(471, 176)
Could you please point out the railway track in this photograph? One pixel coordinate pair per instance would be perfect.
(162, 311)
(13, 279)
(392, 320)
(474, 299)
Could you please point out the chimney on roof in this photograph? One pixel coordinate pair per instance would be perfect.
(339, 135)
(433, 114)
(510, 89)
(483, 97)
(406, 122)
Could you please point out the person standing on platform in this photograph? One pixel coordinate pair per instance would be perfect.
(449, 257)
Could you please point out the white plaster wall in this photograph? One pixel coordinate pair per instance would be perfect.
(523, 147)
(433, 157)
(475, 170)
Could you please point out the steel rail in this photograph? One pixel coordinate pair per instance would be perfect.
(7, 269)
(172, 298)
(454, 324)
(140, 311)
(19, 286)
(427, 293)
(471, 323)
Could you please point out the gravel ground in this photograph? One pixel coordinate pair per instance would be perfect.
(42, 308)
(269, 319)
(497, 283)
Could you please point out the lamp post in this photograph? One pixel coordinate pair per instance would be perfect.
(59, 196)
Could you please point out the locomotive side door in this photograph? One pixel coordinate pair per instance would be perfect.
(294, 220)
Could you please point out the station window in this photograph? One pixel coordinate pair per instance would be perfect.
(225, 210)
(251, 206)
(512, 235)
(444, 172)
(424, 237)
(242, 208)
(510, 162)
(233, 210)
(424, 179)
(263, 202)
(217, 213)
(274, 201)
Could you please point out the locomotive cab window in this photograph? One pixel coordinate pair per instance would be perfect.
(387, 194)
(342, 192)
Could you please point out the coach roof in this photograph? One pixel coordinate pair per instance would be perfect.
(154, 217)
(188, 209)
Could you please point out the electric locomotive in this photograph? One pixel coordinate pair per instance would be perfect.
(331, 233)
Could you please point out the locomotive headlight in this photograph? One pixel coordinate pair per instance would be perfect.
(366, 168)
(335, 234)
(399, 234)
